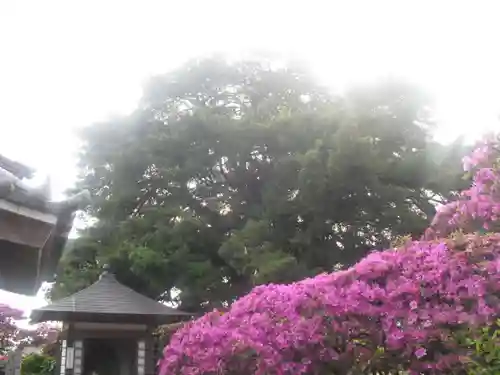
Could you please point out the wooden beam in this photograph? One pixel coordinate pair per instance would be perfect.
(27, 212)
(23, 230)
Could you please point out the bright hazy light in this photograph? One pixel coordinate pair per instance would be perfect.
(65, 64)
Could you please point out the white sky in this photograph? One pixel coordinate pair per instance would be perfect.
(65, 64)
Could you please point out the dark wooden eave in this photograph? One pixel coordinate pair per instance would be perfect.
(24, 199)
(28, 235)
(107, 300)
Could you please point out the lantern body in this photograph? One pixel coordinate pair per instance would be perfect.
(108, 329)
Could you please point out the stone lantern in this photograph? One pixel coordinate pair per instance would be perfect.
(107, 329)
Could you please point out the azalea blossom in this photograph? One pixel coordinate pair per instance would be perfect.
(403, 301)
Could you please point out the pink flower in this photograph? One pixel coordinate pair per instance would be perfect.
(398, 299)
(420, 352)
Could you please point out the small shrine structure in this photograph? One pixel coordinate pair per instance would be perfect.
(33, 229)
(107, 329)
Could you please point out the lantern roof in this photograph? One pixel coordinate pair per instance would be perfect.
(107, 300)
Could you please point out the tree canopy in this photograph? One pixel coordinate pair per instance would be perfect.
(231, 175)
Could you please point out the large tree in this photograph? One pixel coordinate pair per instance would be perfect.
(229, 175)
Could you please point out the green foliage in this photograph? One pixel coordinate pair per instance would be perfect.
(483, 347)
(232, 175)
(38, 364)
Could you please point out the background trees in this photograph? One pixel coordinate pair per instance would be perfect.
(231, 175)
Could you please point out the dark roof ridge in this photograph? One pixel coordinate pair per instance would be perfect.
(108, 296)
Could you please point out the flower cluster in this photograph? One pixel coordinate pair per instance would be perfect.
(479, 206)
(8, 328)
(11, 335)
(395, 309)
(481, 202)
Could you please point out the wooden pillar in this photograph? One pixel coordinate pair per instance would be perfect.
(141, 357)
(150, 351)
(78, 365)
(62, 356)
(71, 353)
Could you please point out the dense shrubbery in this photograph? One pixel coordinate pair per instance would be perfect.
(399, 309)
(38, 364)
(483, 345)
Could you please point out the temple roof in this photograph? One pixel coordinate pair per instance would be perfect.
(24, 199)
(35, 198)
(17, 169)
(33, 229)
(106, 300)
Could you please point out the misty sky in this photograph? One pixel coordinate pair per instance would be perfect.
(66, 64)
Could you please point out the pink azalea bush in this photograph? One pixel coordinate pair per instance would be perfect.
(478, 206)
(11, 335)
(9, 331)
(396, 309)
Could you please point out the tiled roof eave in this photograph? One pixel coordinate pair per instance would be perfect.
(106, 297)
